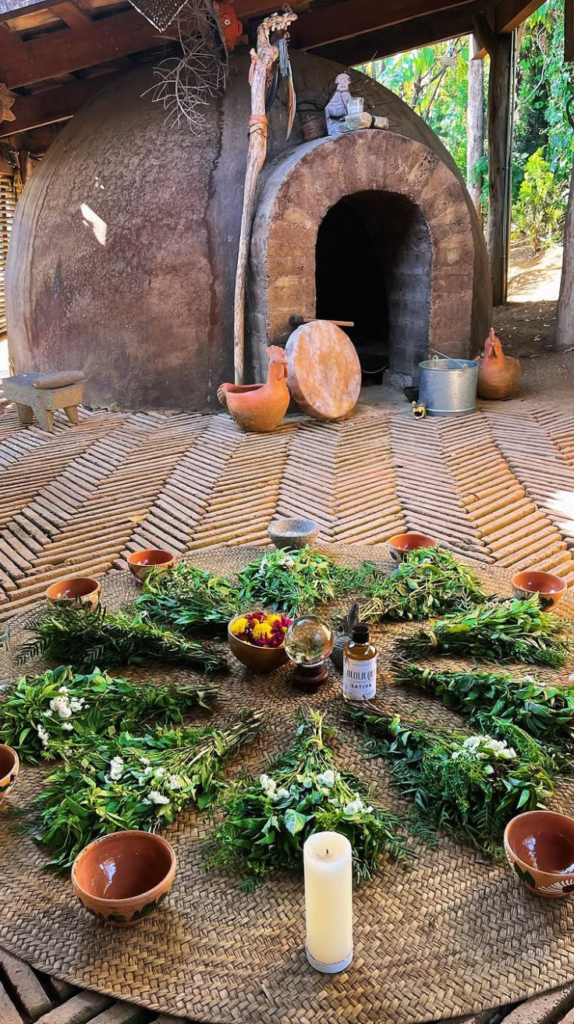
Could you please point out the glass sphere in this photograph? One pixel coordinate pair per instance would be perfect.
(309, 641)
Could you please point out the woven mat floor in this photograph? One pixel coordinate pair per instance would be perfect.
(497, 485)
(453, 935)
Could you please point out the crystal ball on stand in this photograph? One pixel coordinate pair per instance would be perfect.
(308, 643)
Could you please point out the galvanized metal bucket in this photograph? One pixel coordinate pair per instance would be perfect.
(448, 385)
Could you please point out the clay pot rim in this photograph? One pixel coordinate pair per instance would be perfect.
(94, 588)
(252, 647)
(103, 901)
(15, 767)
(286, 525)
(393, 541)
(133, 556)
(556, 875)
(561, 587)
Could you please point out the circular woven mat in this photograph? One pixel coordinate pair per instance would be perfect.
(452, 935)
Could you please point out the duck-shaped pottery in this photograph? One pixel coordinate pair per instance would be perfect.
(498, 375)
(259, 407)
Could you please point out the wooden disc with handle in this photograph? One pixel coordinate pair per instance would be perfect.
(324, 370)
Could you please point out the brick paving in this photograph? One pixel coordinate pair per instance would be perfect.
(498, 486)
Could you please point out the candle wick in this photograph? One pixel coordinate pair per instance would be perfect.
(327, 853)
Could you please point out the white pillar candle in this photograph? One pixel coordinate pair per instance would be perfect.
(328, 860)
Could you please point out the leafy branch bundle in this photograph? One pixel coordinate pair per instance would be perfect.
(429, 581)
(267, 820)
(186, 598)
(51, 713)
(470, 786)
(496, 631)
(296, 581)
(546, 712)
(131, 782)
(87, 638)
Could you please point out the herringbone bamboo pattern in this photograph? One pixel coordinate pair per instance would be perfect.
(497, 486)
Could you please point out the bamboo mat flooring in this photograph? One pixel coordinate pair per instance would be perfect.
(497, 485)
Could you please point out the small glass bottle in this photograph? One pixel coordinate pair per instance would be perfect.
(360, 665)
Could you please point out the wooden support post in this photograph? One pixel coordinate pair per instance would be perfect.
(500, 101)
(474, 121)
(568, 29)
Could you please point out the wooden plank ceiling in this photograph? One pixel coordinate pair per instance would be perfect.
(57, 54)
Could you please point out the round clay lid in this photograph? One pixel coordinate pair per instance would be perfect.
(324, 370)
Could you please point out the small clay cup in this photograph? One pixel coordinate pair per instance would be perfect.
(539, 846)
(124, 877)
(550, 588)
(74, 592)
(292, 533)
(402, 544)
(9, 768)
(142, 562)
(258, 659)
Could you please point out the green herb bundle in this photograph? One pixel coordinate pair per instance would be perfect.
(496, 631)
(295, 581)
(267, 820)
(86, 638)
(49, 714)
(469, 786)
(187, 598)
(130, 782)
(428, 582)
(545, 712)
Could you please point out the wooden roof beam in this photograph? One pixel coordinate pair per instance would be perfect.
(57, 104)
(343, 21)
(71, 49)
(406, 36)
(509, 14)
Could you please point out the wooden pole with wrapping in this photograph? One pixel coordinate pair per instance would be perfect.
(262, 62)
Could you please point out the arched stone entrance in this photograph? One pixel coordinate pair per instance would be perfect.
(430, 251)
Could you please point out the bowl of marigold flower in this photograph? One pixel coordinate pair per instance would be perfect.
(257, 639)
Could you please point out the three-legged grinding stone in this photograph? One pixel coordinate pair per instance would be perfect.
(40, 394)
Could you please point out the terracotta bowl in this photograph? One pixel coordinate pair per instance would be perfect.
(73, 592)
(539, 846)
(9, 768)
(550, 588)
(124, 877)
(142, 562)
(403, 543)
(258, 659)
(292, 533)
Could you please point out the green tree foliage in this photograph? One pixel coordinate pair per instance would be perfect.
(433, 81)
(539, 211)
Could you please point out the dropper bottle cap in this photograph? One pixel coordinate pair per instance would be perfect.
(361, 633)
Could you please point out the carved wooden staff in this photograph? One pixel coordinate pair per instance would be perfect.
(261, 64)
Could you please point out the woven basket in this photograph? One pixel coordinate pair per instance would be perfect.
(314, 125)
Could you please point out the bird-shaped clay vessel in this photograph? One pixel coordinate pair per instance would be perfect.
(259, 407)
(498, 375)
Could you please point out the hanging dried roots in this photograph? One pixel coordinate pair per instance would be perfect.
(187, 83)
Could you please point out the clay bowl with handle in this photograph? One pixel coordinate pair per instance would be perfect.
(539, 846)
(402, 544)
(75, 592)
(9, 768)
(550, 588)
(142, 562)
(122, 878)
(258, 659)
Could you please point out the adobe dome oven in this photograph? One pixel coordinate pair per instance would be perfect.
(123, 251)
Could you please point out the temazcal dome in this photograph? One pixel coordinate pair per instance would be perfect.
(123, 250)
